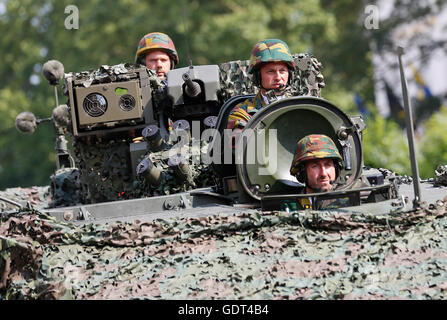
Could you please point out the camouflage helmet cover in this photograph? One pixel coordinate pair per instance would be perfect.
(270, 50)
(314, 146)
(157, 41)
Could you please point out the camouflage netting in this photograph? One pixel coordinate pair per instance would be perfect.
(104, 168)
(200, 174)
(108, 174)
(66, 188)
(441, 176)
(304, 255)
(308, 79)
(38, 197)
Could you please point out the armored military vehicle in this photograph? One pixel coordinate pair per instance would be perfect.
(153, 148)
(147, 151)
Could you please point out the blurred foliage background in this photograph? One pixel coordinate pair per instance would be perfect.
(33, 32)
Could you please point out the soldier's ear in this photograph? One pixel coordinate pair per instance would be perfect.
(301, 176)
(338, 167)
(257, 77)
(140, 60)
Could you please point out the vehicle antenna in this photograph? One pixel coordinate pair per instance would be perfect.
(410, 132)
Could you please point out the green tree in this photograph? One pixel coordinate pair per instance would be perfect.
(385, 145)
(434, 143)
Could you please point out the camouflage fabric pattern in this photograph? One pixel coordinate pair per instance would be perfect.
(314, 146)
(65, 187)
(441, 175)
(307, 79)
(105, 171)
(157, 41)
(37, 197)
(107, 175)
(244, 111)
(106, 73)
(270, 50)
(234, 79)
(278, 255)
(201, 175)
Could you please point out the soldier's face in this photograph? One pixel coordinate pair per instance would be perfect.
(320, 173)
(274, 75)
(158, 61)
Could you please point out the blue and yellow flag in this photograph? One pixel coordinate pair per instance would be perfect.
(424, 91)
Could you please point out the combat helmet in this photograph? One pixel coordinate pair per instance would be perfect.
(156, 41)
(314, 146)
(269, 50)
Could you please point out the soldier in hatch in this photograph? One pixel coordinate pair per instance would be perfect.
(158, 173)
(317, 163)
(157, 52)
(272, 67)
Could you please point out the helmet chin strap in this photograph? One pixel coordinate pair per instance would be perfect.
(281, 87)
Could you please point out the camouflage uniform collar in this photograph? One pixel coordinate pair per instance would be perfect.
(259, 100)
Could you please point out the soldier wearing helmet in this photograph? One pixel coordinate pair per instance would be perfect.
(157, 52)
(317, 163)
(272, 66)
